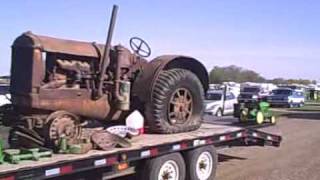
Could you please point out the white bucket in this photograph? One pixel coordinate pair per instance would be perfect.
(136, 121)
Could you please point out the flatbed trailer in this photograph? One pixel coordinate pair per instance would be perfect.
(146, 150)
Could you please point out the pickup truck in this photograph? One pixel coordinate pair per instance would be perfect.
(251, 94)
(286, 97)
(217, 105)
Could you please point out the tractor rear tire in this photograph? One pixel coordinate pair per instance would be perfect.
(176, 103)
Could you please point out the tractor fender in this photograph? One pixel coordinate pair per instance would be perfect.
(143, 84)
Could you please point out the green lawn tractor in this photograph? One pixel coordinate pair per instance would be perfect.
(258, 111)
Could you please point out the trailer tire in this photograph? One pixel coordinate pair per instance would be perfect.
(209, 156)
(153, 168)
(176, 103)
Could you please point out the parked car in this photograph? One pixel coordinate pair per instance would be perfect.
(286, 97)
(216, 105)
(4, 95)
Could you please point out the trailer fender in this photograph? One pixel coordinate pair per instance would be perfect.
(142, 87)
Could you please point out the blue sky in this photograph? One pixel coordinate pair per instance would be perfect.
(275, 38)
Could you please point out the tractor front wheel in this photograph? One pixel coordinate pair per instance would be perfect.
(243, 115)
(61, 124)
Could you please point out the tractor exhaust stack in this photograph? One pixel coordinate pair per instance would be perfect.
(105, 59)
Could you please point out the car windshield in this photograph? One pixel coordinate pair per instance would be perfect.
(4, 90)
(251, 90)
(281, 92)
(213, 96)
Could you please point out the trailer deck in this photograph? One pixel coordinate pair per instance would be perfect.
(144, 146)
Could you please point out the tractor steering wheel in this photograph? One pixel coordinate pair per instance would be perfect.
(140, 47)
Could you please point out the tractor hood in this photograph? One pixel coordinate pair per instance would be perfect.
(55, 45)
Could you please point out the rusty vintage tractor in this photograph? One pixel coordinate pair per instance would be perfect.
(57, 85)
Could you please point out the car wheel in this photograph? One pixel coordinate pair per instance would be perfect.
(291, 105)
(301, 104)
(176, 103)
(219, 113)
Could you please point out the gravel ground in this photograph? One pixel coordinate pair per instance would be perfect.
(297, 158)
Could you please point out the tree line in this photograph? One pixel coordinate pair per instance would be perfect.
(238, 74)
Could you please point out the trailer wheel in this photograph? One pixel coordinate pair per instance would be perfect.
(201, 163)
(165, 167)
(176, 103)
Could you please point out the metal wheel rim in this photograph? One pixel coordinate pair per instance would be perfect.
(180, 106)
(169, 171)
(260, 118)
(204, 165)
(273, 120)
(64, 125)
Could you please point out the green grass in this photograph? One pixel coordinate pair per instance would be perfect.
(309, 106)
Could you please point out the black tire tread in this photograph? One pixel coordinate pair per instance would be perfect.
(165, 80)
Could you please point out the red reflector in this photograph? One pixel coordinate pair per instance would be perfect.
(7, 178)
(228, 137)
(66, 169)
(184, 145)
(153, 151)
(209, 141)
(112, 160)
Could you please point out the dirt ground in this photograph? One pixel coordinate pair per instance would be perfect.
(297, 158)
